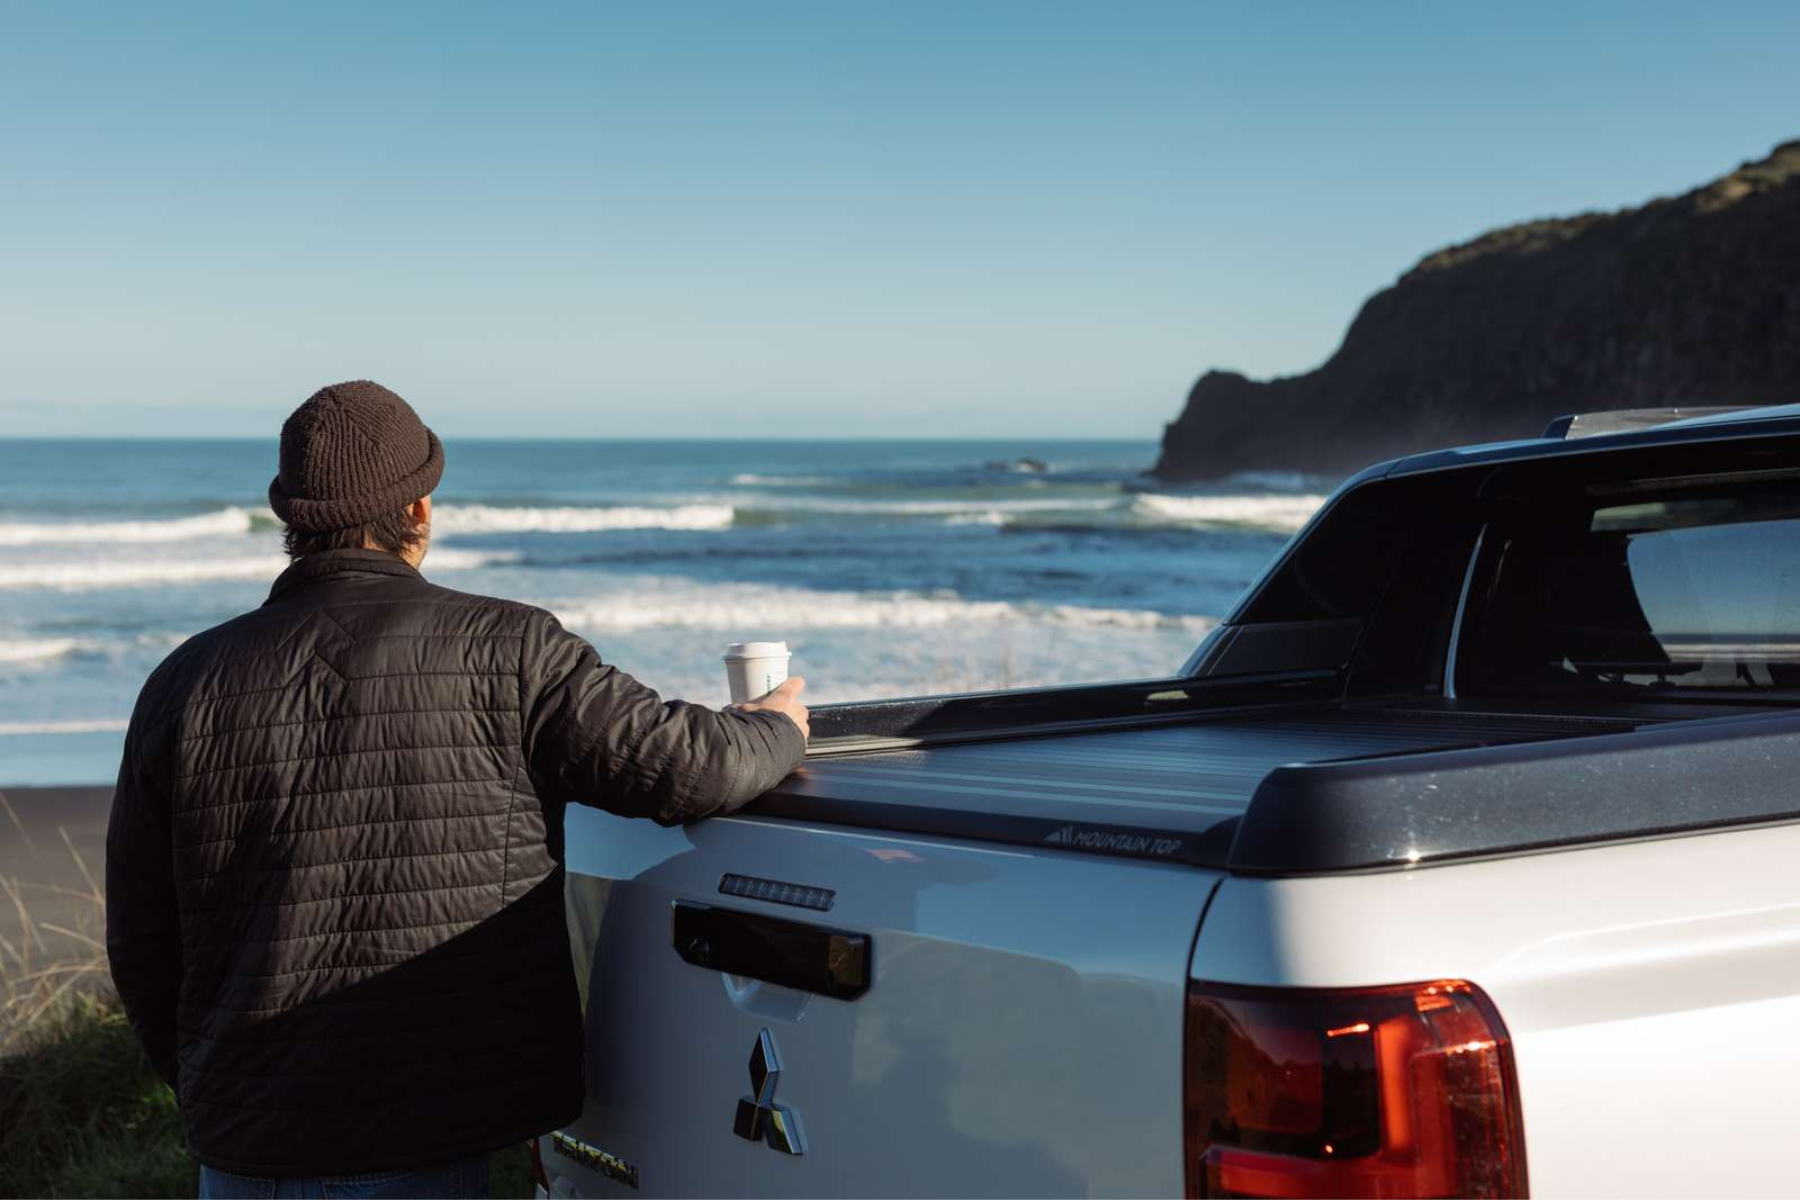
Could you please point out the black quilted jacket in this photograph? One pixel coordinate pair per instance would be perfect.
(334, 866)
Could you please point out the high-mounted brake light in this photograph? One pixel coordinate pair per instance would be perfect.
(1395, 1091)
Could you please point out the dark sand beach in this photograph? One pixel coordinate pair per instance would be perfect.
(36, 863)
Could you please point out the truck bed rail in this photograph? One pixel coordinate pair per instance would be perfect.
(1313, 788)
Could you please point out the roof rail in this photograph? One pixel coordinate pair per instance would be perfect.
(1626, 420)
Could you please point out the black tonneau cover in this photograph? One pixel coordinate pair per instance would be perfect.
(1320, 788)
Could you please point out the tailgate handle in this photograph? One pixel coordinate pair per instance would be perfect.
(792, 954)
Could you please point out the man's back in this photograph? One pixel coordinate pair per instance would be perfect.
(359, 961)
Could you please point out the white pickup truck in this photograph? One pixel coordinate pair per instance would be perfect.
(1463, 859)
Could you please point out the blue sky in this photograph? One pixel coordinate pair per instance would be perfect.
(792, 220)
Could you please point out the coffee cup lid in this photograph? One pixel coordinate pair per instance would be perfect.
(756, 650)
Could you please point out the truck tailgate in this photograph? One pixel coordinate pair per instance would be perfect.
(1020, 1033)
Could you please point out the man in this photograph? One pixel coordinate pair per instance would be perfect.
(334, 865)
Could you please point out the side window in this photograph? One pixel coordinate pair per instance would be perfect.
(1653, 596)
(1373, 585)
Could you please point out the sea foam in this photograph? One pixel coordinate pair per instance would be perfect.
(651, 604)
(176, 529)
(1282, 513)
(16, 728)
(931, 508)
(447, 518)
(92, 574)
(1149, 510)
(34, 650)
(482, 518)
(750, 479)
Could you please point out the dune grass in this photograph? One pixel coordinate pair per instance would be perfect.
(82, 1113)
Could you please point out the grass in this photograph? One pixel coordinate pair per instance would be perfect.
(82, 1114)
(81, 1111)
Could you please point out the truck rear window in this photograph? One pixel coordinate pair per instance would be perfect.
(1642, 592)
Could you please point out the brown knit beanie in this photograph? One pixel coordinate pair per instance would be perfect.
(351, 453)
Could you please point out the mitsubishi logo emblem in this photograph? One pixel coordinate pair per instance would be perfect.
(759, 1118)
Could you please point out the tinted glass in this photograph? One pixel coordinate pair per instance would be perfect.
(1374, 582)
(1688, 591)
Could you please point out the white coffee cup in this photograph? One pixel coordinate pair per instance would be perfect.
(755, 669)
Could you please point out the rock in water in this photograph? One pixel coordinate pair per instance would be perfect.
(1693, 300)
(1022, 466)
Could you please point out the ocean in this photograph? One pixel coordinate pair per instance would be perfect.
(890, 568)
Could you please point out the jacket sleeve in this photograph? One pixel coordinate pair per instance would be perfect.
(143, 920)
(594, 735)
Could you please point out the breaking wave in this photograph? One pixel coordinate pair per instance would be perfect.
(1146, 512)
(1284, 513)
(34, 650)
(749, 479)
(643, 605)
(481, 518)
(1074, 511)
(447, 518)
(52, 533)
(92, 574)
(16, 728)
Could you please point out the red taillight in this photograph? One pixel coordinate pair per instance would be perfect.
(537, 1165)
(1393, 1091)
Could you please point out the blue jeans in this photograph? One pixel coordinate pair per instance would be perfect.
(466, 1179)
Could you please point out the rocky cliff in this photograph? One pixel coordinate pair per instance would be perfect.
(1691, 300)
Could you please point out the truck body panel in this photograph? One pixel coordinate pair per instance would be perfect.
(1022, 1037)
(1651, 992)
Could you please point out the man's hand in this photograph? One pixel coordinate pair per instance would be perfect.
(786, 701)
